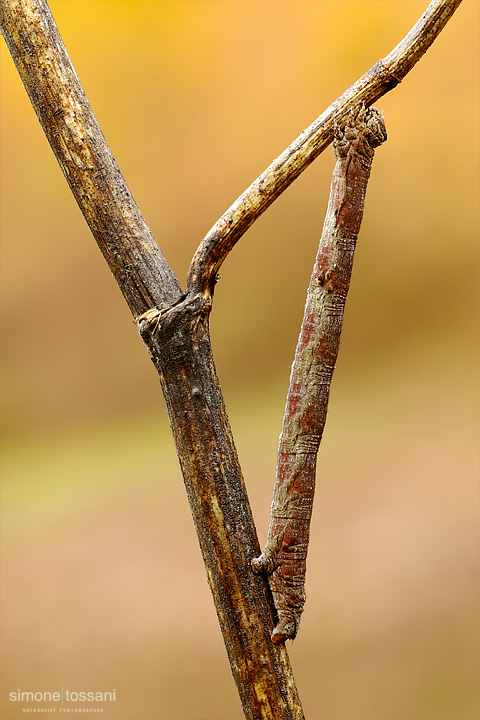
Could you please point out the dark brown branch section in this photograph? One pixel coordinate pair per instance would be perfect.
(179, 344)
(284, 556)
(381, 78)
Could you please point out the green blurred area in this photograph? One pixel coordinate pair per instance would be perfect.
(103, 584)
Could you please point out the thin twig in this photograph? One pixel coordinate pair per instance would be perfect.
(381, 78)
(284, 556)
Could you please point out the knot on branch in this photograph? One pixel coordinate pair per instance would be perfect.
(187, 308)
(384, 73)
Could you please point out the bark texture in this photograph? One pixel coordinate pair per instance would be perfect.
(179, 344)
(137, 263)
(285, 554)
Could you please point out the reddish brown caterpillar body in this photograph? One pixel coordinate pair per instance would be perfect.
(284, 556)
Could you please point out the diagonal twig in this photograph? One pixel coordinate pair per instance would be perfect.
(284, 557)
(375, 83)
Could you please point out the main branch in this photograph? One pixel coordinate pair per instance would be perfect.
(58, 98)
(176, 334)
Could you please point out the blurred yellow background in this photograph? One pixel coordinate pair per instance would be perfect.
(102, 582)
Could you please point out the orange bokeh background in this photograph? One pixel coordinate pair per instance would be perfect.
(102, 582)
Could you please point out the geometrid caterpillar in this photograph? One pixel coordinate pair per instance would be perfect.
(284, 556)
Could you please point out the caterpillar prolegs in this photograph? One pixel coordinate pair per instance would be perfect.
(284, 556)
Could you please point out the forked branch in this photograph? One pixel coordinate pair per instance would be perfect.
(174, 325)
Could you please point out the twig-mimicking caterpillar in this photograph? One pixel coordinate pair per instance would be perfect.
(284, 556)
